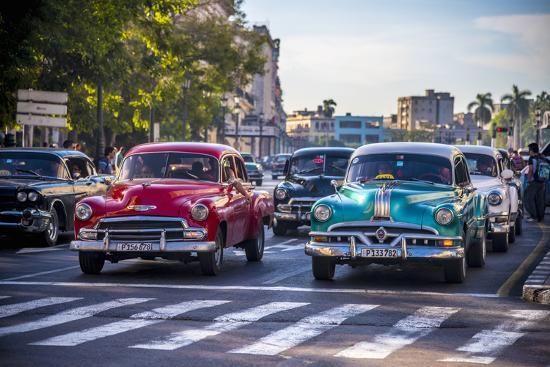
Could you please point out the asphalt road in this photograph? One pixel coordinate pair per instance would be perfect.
(272, 313)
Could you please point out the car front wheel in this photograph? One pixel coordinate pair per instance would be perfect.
(323, 267)
(254, 249)
(455, 270)
(91, 262)
(500, 242)
(50, 235)
(259, 183)
(518, 226)
(477, 253)
(211, 262)
(279, 228)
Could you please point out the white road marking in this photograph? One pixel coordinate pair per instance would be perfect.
(403, 333)
(282, 244)
(135, 321)
(248, 288)
(286, 275)
(486, 345)
(221, 324)
(4, 297)
(14, 309)
(305, 329)
(69, 315)
(31, 250)
(42, 273)
(242, 253)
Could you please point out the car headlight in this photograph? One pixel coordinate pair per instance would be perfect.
(322, 213)
(494, 198)
(444, 216)
(33, 196)
(199, 212)
(22, 196)
(83, 211)
(280, 194)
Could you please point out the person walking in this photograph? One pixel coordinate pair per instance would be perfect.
(538, 172)
(104, 164)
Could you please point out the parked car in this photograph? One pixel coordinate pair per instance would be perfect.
(248, 158)
(39, 188)
(309, 175)
(278, 165)
(266, 162)
(401, 203)
(490, 177)
(176, 201)
(255, 173)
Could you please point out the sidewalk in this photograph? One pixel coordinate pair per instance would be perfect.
(537, 286)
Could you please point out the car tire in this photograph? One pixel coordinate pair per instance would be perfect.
(259, 183)
(274, 177)
(91, 262)
(500, 242)
(279, 228)
(512, 234)
(478, 252)
(455, 270)
(211, 262)
(519, 225)
(51, 234)
(254, 248)
(323, 267)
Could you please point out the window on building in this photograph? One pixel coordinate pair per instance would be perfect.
(317, 125)
(371, 139)
(350, 138)
(348, 124)
(372, 125)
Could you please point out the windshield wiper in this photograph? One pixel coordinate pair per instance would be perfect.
(28, 171)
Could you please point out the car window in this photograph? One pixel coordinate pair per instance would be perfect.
(78, 168)
(228, 169)
(461, 172)
(31, 164)
(481, 164)
(91, 168)
(241, 171)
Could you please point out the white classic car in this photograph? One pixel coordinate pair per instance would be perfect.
(491, 175)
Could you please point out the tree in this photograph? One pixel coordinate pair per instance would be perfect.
(483, 107)
(329, 107)
(518, 109)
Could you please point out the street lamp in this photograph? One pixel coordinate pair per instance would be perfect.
(185, 88)
(224, 107)
(238, 116)
(538, 114)
(261, 121)
(479, 129)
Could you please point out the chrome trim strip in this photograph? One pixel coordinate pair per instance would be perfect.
(305, 198)
(381, 223)
(363, 237)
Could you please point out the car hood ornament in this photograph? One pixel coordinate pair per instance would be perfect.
(142, 208)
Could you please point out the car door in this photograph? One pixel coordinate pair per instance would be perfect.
(232, 204)
(78, 171)
(243, 207)
(462, 178)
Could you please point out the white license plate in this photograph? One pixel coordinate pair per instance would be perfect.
(379, 252)
(135, 246)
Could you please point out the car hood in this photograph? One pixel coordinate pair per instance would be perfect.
(408, 202)
(164, 196)
(485, 183)
(309, 186)
(14, 183)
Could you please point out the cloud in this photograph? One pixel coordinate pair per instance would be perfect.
(525, 48)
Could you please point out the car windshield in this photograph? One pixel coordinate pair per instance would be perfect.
(251, 167)
(247, 158)
(398, 166)
(281, 158)
(481, 164)
(30, 164)
(319, 164)
(188, 166)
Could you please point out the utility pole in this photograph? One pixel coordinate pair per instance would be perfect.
(538, 114)
(479, 130)
(185, 88)
(238, 116)
(101, 136)
(261, 121)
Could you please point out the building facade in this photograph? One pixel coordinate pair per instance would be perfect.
(355, 131)
(306, 128)
(423, 112)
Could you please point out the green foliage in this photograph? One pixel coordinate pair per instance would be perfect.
(329, 107)
(483, 105)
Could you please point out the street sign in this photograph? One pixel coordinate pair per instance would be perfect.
(39, 120)
(41, 108)
(42, 96)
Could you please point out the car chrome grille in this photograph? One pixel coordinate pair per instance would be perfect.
(141, 228)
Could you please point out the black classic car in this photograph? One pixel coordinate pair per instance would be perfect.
(39, 188)
(309, 175)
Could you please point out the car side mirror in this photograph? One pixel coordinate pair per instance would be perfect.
(507, 174)
(285, 170)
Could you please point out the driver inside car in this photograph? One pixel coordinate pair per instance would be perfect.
(229, 177)
(197, 170)
(445, 174)
(384, 172)
(484, 167)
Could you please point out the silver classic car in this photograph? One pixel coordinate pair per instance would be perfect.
(491, 177)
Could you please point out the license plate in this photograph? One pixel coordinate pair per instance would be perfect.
(379, 252)
(135, 246)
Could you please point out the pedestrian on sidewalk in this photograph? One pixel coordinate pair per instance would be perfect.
(105, 162)
(537, 175)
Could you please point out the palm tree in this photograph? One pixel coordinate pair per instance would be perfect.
(542, 101)
(328, 107)
(483, 105)
(518, 108)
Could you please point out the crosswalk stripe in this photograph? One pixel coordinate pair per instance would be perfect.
(305, 329)
(403, 333)
(221, 324)
(14, 309)
(135, 321)
(4, 297)
(486, 345)
(69, 315)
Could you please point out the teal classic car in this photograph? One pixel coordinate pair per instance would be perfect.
(401, 202)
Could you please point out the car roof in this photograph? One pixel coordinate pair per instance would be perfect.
(479, 149)
(441, 150)
(215, 150)
(55, 151)
(322, 150)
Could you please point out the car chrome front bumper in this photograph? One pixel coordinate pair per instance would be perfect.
(499, 222)
(157, 246)
(28, 220)
(292, 217)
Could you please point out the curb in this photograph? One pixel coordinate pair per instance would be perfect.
(537, 286)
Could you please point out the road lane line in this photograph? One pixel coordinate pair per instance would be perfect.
(542, 246)
(285, 276)
(486, 345)
(69, 315)
(248, 288)
(42, 273)
(221, 324)
(403, 333)
(283, 244)
(135, 321)
(32, 250)
(14, 309)
(4, 297)
(305, 329)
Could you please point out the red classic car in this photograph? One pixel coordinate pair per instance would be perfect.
(176, 201)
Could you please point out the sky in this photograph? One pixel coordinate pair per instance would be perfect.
(365, 53)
